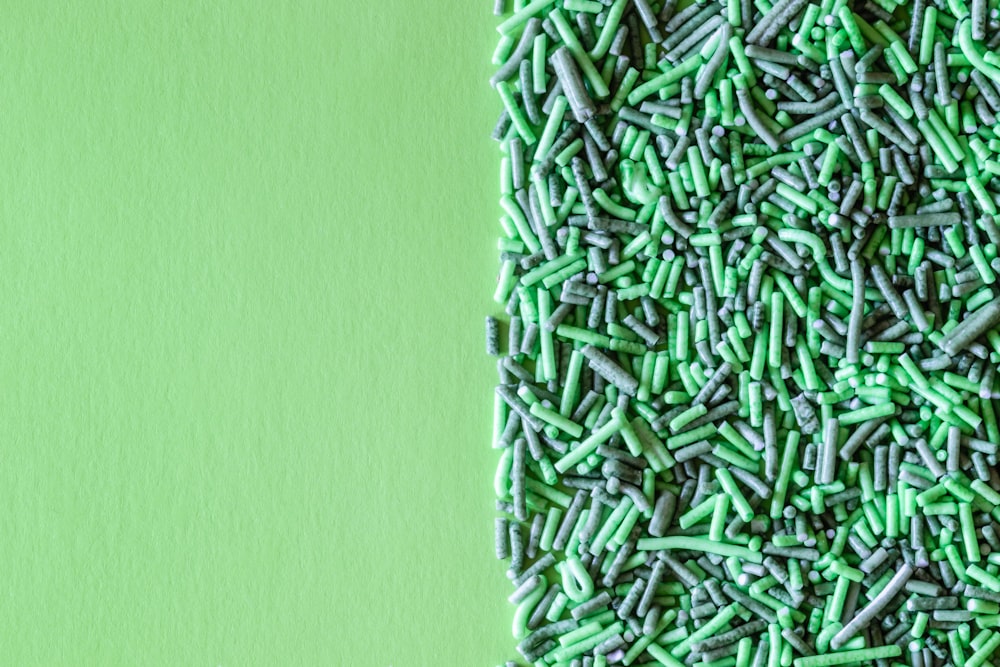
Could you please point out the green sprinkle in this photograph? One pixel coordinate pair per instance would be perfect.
(857, 656)
(748, 406)
(699, 544)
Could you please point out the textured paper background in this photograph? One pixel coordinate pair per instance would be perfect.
(245, 251)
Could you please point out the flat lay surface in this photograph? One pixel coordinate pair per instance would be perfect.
(245, 250)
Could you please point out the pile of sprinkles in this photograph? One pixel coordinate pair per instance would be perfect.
(746, 411)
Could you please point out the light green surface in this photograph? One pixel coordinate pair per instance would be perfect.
(245, 251)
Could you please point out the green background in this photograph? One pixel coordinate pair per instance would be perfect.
(246, 250)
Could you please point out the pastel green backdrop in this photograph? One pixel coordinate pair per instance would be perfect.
(245, 252)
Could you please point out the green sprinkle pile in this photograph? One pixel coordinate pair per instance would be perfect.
(746, 412)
